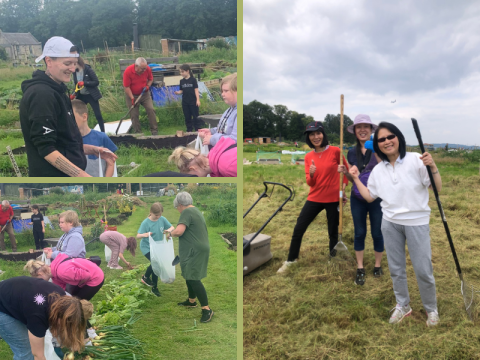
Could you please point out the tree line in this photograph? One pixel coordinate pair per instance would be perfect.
(263, 120)
(92, 21)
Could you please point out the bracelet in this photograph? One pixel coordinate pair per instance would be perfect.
(436, 172)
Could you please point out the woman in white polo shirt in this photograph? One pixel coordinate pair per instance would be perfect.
(401, 181)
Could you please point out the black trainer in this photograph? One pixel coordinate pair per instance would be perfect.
(333, 253)
(377, 272)
(155, 291)
(206, 315)
(360, 279)
(147, 281)
(187, 303)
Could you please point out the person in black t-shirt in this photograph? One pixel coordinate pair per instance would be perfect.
(29, 306)
(38, 227)
(190, 98)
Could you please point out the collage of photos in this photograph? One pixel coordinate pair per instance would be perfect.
(361, 185)
(139, 263)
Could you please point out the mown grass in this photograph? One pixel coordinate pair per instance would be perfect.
(317, 312)
(162, 325)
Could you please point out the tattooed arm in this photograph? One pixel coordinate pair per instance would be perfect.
(63, 164)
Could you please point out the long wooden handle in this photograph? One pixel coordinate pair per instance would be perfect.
(340, 223)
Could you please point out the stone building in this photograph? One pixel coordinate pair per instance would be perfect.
(21, 48)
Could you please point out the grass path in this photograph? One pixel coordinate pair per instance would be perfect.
(163, 323)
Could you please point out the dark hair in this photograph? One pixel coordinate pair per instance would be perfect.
(81, 63)
(402, 145)
(35, 207)
(324, 141)
(186, 67)
(131, 245)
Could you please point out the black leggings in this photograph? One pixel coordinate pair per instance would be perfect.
(150, 272)
(85, 292)
(88, 99)
(197, 290)
(307, 215)
(191, 117)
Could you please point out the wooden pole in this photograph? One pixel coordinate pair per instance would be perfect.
(82, 46)
(340, 223)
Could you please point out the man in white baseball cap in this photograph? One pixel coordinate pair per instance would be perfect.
(52, 139)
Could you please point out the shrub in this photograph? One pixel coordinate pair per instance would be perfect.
(3, 54)
(219, 43)
(57, 190)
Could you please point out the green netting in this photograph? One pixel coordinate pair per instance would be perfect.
(297, 158)
(265, 156)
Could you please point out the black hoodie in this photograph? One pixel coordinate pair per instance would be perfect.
(48, 124)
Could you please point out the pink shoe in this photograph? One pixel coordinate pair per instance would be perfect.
(116, 267)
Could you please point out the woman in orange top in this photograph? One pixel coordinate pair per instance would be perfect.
(321, 166)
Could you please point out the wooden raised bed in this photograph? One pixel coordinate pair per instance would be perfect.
(20, 256)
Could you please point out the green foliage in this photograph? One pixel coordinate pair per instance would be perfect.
(263, 120)
(219, 43)
(222, 213)
(210, 55)
(3, 54)
(111, 21)
(57, 190)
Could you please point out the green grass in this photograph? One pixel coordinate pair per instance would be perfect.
(316, 312)
(162, 325)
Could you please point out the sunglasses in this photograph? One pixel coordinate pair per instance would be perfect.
(389, 137)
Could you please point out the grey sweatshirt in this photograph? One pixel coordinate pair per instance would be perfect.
(71, 243)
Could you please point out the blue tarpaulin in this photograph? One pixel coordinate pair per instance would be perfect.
(164, 95)
(22, 225)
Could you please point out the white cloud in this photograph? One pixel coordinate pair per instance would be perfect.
(304, 54)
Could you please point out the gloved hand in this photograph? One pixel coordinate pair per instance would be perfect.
(369, 144)
(146, 88)
(81, 84)
(72, 96)
(133, 101)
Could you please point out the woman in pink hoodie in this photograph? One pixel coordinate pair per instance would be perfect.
(80, 277)
(221, 161)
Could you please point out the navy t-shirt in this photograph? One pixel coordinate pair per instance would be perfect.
(26, 299)
(37, 221)
(188, 87)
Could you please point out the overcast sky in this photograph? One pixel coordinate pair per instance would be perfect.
(423, 54)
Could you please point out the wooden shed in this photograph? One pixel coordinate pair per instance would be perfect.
(262, 140)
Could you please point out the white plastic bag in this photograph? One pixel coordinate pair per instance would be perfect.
(49, 350)
(100, 169)
(200, 147)
(108, 254)
(45, 260)
(161, 257)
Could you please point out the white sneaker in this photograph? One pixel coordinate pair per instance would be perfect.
(285, 266)
(433, 318)
(399, 312)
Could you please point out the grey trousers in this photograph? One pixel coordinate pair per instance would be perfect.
(418, 242)
(147, 103)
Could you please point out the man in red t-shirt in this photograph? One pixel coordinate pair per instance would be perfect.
(135, 78)
(6, 216)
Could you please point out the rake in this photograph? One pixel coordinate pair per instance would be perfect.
(340, 254)
(470, 293)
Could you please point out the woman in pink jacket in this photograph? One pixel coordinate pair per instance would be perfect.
(79, 277)
(221, 161)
